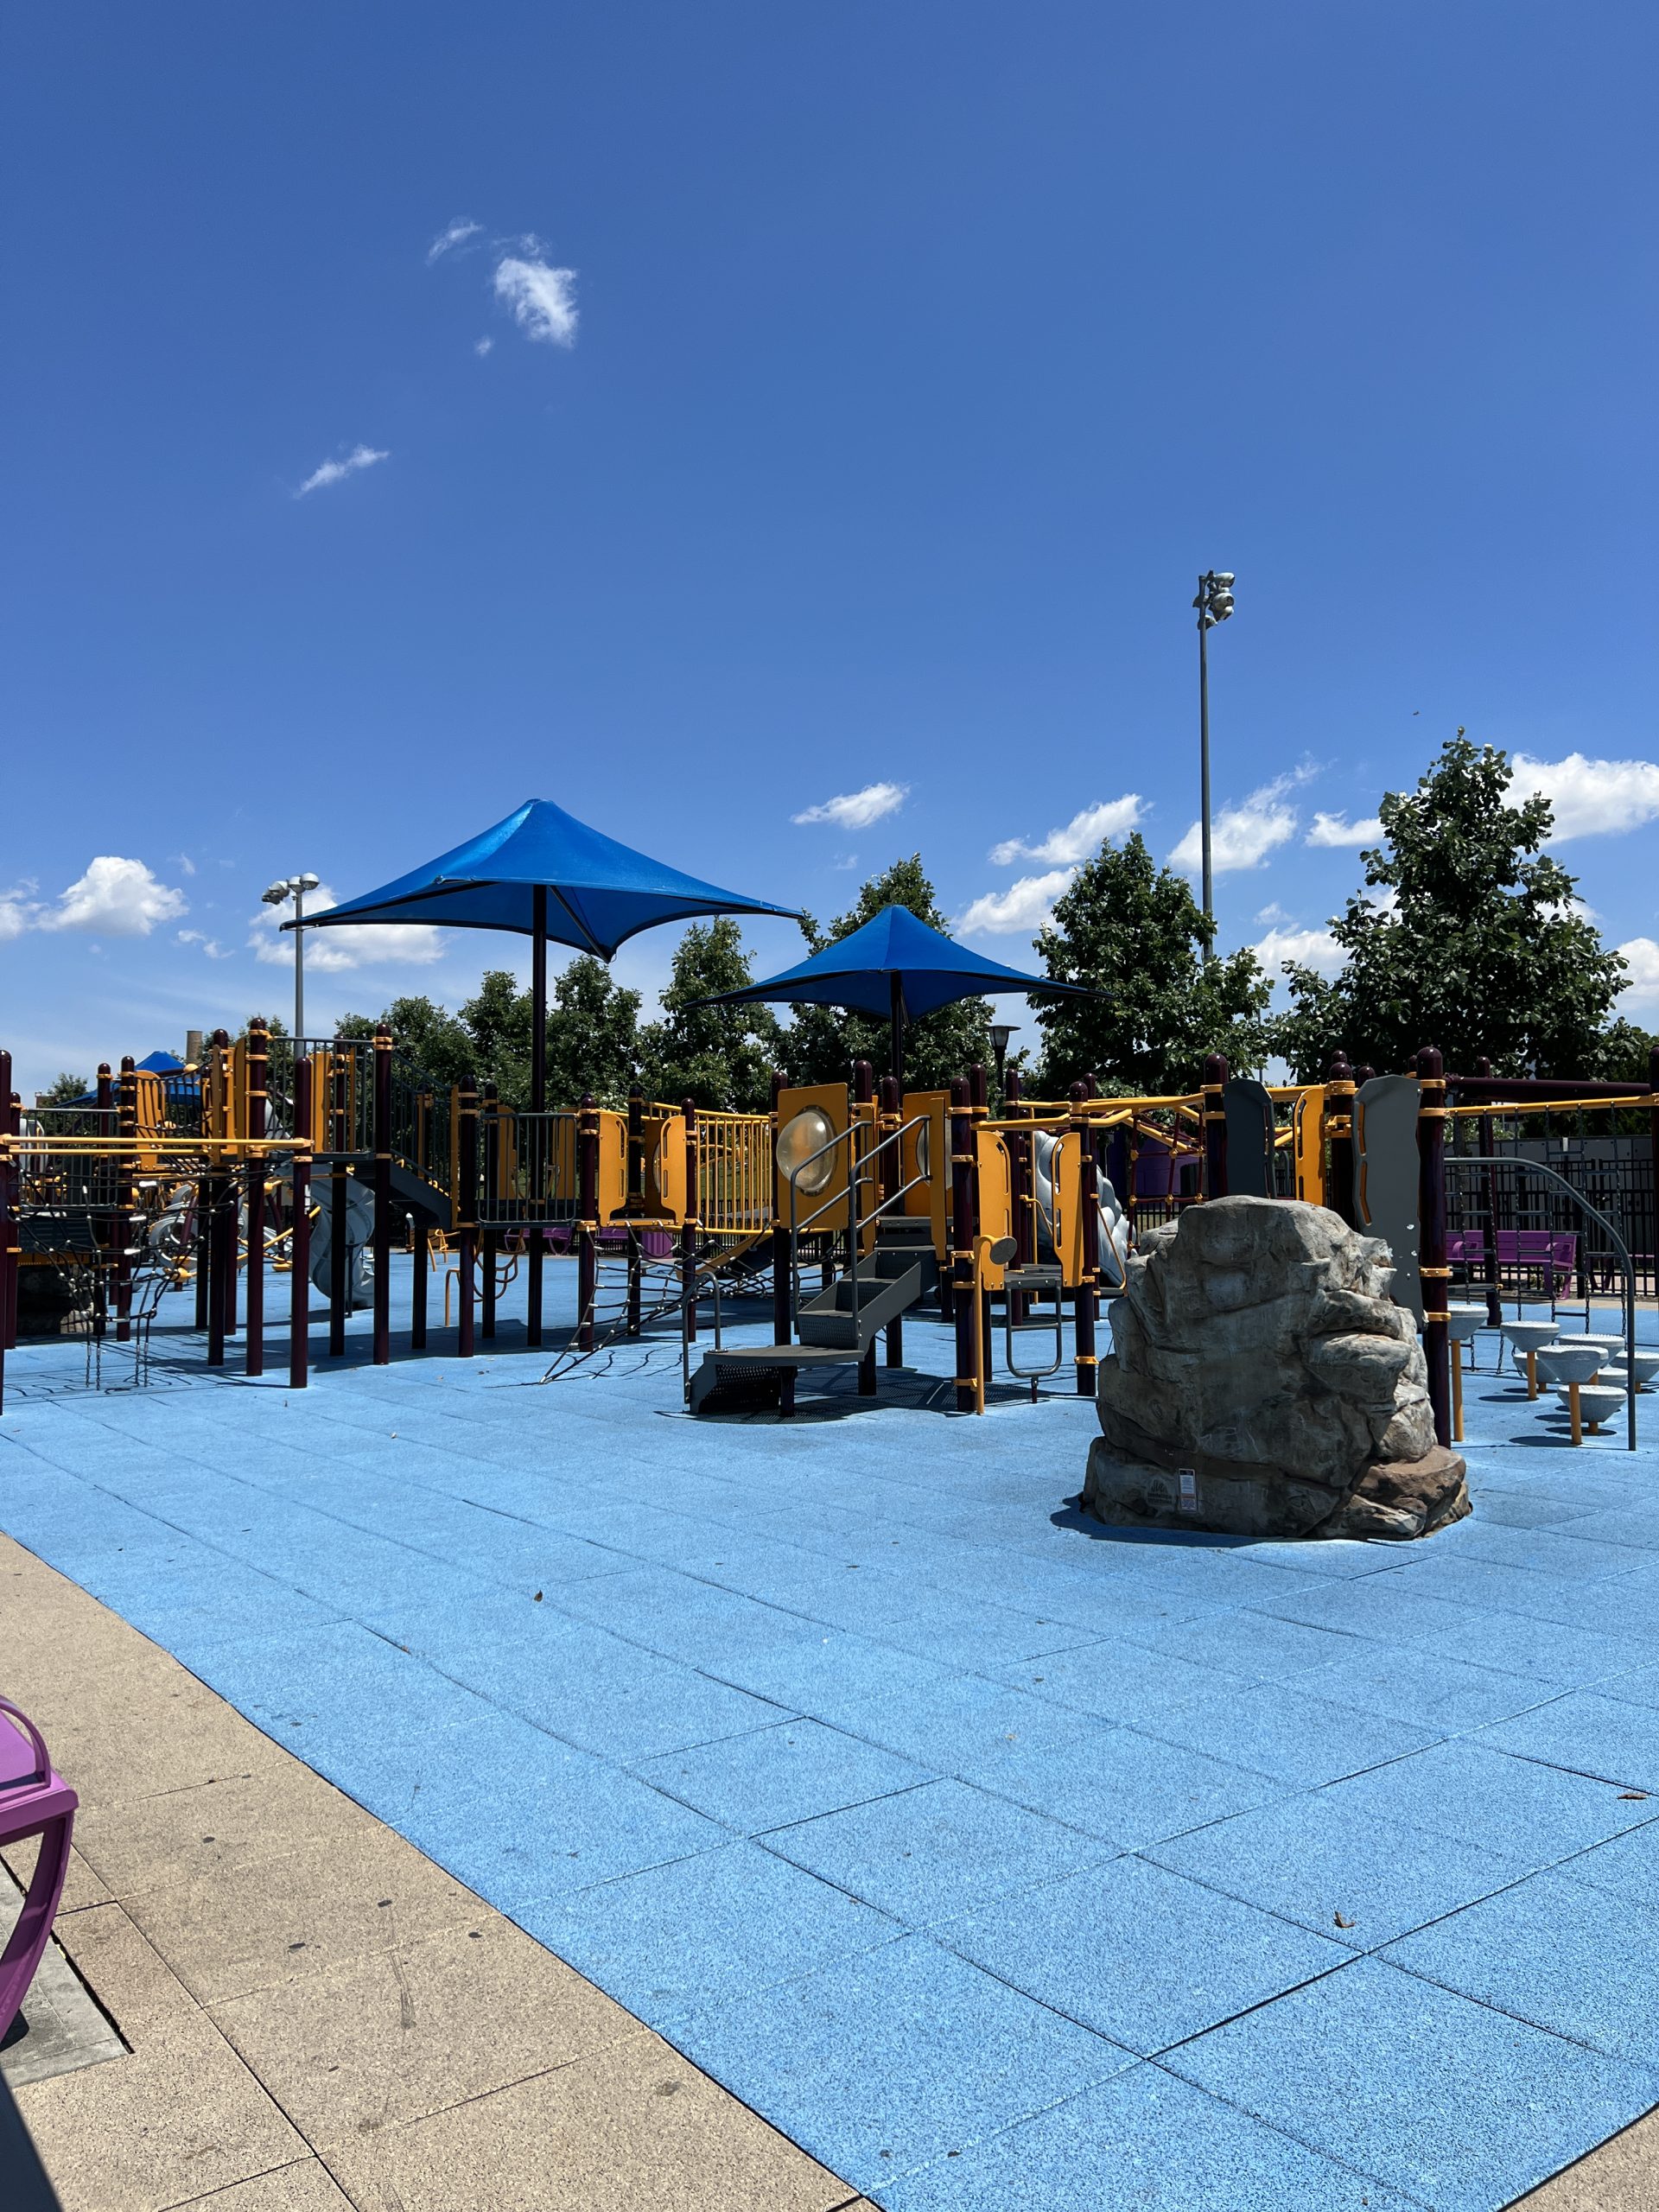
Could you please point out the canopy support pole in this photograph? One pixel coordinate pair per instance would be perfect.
(896, 1014)
(536, 1241)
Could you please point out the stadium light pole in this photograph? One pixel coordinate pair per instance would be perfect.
(279, 894)
(1214, 603)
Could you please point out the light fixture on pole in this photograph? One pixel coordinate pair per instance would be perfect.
(1001, 1033)
(1214, 604)
(279, 894)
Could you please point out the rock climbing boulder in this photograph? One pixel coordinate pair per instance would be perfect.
(1261, 1382)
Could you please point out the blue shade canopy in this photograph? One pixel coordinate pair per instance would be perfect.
(893, 949)
(599, 893)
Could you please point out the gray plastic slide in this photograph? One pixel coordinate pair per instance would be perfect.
(1113, 1229)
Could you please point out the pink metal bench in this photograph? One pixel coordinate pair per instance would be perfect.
(34, 1801)
(1549, 1256)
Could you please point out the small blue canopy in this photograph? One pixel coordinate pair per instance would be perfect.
(597, 893)
(895, 965)
(859, 971)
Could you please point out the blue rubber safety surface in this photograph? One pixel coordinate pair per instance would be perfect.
(1001, 1859)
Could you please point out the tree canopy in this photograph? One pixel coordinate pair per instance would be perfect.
(1477, 943)
(63, 1090)
(823, 1041)
(592, 1034)
(1134, 931)
(720, 1057)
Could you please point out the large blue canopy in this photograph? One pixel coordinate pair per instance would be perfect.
(893, 947)
(598, 894)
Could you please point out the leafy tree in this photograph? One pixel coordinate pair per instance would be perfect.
(497, 1019)
(437, 1043)
(593, 1035)
(823, 1041)
(1134, 931)
(63, 1090)
(720, 1057)
(1475, 944)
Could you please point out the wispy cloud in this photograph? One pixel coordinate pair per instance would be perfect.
(331, 951)
(1242, 835)
(1334, 830)
(857, 809)
(116, 897)
(456, 234)
(331, 472)
(1081, 837)
(210, 945)
(1021, 910)
(1592, 798)
(483, 346)
(542, 299)
(18, 909)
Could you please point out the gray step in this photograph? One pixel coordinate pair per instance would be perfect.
(747, 1375)
(829, 1320)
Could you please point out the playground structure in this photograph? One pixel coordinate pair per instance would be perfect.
(322, 1156)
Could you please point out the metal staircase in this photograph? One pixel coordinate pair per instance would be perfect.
(837, 1327)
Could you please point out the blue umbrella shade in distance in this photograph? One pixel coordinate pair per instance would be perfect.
(895, 964)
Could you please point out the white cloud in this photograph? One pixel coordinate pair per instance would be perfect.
(1315, 949)
(483, 346)
(17, 911)
(857, 809)
(210, 945)
(1640, 991)
(331, 471)
(456, 234)
(1021, 910)
(1592, 797)
(331, 951)
(1081, 837)
(1337, 830)
(541, 299)
(119, 898)
(1244, 834)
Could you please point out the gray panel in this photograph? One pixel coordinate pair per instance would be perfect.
(1250, 1138)
(1385, 1176)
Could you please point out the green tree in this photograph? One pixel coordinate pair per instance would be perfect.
(497, 1019)
(1134, 931)
(63, 1090)
(720, 1057)
(429, 1034)
(1477, 943)
(821, 1042)
(593, 1035)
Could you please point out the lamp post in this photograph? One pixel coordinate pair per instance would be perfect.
(1214, 603)
(279, 894)
(1001, 1033)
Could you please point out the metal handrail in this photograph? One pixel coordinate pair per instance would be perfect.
(855, 1226)
(1623, 1250)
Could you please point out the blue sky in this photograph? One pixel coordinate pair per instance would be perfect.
(915, 359)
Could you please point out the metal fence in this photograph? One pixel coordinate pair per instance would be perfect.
(1610, 1165)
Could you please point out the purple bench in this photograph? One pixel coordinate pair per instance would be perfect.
(33, 1801)
(1550, 1255)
